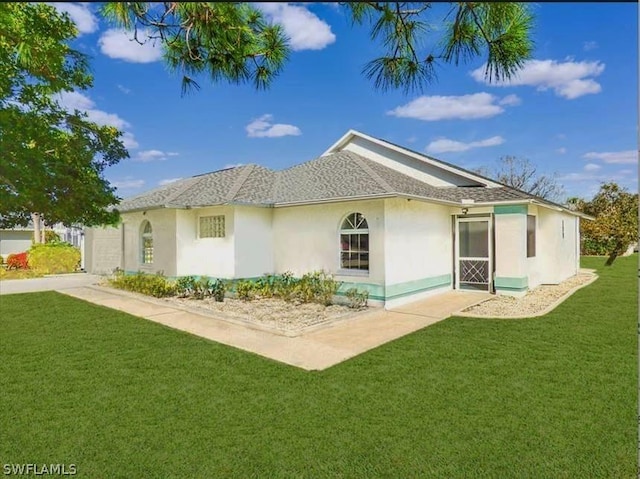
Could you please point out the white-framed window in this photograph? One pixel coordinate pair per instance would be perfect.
(211, 227)
(354, 243)
(146, 243)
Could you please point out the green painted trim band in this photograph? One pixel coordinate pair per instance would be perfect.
(376, 291)
(504, 288)
(510, 209)
(417, 286)
(511, 283)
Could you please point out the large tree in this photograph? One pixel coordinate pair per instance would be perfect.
(234, 42)
(615, 227)
(522, 174)
(51, 160)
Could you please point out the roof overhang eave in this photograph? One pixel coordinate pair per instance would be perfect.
(527, 201)
(284, 204)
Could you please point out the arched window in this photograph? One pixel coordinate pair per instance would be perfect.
(354, 243)
(146, 243)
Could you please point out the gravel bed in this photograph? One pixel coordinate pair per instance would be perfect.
(270, 312)
(533, 303)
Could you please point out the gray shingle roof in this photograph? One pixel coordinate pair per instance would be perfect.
(336, 176)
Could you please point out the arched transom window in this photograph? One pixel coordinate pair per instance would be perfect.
(146, 243)
(354, 243)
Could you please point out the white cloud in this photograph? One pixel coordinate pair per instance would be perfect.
(128, 183)
(305, 30)
(264, 128)
(562, 150)
(591, 45)
(412, 139)
(568, 79)
(129, 141)
(168, 180)
(146, 156)
(446, 145)
(465, 107)
(591, 167)
(626, 157)
(119, 44)
(621, 176)
(510, 100)
(73, 100)
(81, 15)
(124, 89)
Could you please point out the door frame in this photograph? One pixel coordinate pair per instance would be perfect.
(488, 218)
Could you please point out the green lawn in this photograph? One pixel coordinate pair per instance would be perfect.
(118, 396)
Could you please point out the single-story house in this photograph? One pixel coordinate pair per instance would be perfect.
(376, 215)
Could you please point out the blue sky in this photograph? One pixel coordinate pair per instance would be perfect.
(573, 109)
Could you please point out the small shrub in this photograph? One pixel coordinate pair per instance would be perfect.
(284, 286)
(156, 285)
(185, 286)
(18, 261)
(246, 290)
(54, 258)
(51, 236)
(266, 285)
(316, 287)
(357, 299)
(202, 288)
(218, 289)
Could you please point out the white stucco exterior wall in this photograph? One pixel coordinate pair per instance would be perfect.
(253, 249)
(103, 249)
(163, 224)
(418, 250)
(213, 257)
(511, 267)
(306, 238)
(557, 251)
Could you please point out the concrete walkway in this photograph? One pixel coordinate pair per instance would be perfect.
(54, 282)
(315, 350)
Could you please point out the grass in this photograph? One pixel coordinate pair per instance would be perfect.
(118, 396)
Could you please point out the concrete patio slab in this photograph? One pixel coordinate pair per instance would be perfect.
(443, 304)
(315, 350)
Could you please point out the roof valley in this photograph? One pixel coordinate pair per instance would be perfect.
(377, 178)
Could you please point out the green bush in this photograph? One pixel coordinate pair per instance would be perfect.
(202, 288)
(54, 258)
(218, 288)
(185, 286)
(356, 298)
(246, 289)
(593, 247)
(316, 287)
(156, 285)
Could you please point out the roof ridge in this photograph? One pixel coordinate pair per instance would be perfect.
(372, 174)
(239, 182)
(187, 184)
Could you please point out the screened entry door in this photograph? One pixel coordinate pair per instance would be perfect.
(473, 262)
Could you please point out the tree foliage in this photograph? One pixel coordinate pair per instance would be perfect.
(520, 173)
(226, 41)
(616, 219)
(52, 160)
(233, 42)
